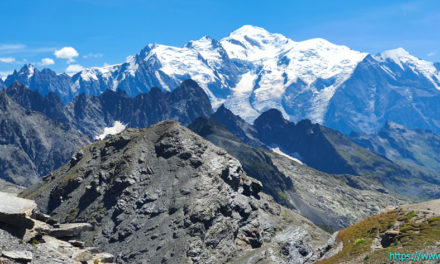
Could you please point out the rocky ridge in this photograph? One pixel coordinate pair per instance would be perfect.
(164, 194)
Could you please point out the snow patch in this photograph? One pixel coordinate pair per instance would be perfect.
(117, 127)
(280, 152)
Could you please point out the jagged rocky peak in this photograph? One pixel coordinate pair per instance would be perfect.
(164, 194)
(272, 117)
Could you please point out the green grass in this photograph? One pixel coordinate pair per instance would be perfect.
(413, 236)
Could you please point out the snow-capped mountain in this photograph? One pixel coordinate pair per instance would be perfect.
(252, 70)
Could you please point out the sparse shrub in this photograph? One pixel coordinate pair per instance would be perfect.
(359, 241)
(410, 215)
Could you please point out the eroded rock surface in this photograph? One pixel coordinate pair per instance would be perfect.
(26, 239)
(166, 195)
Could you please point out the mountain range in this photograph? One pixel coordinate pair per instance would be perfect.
(38, 134)
(253, 70)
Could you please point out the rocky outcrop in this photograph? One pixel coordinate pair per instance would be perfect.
(16, 211)
(25, 238)
(164, 194)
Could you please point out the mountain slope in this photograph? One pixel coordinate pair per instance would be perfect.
(31, 144)
(330, 151)
(392, 86)
(164, 194)
(408, 233)
(398, 143)
(253, 70)
(330, 201)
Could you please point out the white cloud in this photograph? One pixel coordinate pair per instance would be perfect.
(7, 60)
(66, 53)
(47, 61)
(93, 55)
(74, 68)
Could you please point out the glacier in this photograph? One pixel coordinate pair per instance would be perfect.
(253, 70)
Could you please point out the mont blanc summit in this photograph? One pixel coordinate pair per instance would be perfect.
(253, 70)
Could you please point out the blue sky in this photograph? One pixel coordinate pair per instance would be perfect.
(107, 31)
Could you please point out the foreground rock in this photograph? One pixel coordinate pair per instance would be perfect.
(23, 238)
(166, 195)
(16, 211)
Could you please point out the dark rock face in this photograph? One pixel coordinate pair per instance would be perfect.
(237, 126)
(164, 194)
(330, 151)
(415, 147)
(92, 114)
(32, 145)
(50, 105)
(184, 104)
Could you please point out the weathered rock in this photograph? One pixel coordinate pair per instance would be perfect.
(16, 211)
(21, 256)
(166, 195)
(70, 230)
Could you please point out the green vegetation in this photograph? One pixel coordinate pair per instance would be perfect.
(359, 241)
(414, 235)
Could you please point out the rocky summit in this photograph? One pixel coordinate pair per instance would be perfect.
(166, 195)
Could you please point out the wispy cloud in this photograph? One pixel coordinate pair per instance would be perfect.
(91, 55)
(7, 60)
(23, 49)
(432, 53)
(12, 47)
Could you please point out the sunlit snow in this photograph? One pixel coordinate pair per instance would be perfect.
(117, 127)
(280, 152)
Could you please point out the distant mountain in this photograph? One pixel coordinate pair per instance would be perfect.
(330, 151)
(31, 144)
(184, 104)
(166, 195)
(409, 146)
(92, 114)
(50, 105)
(393, 85)
(253, 70)
(330, 201)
